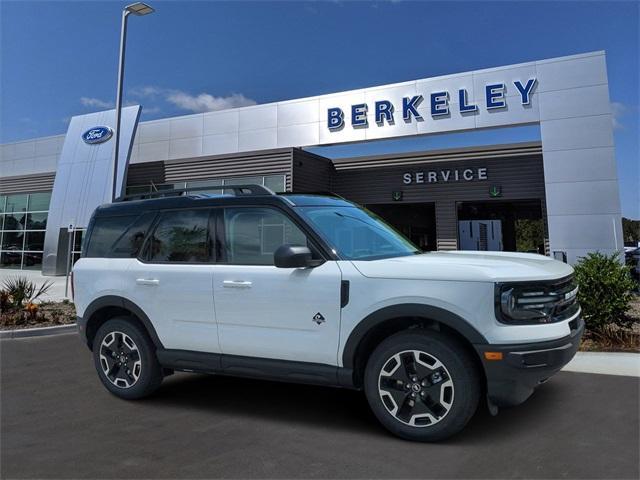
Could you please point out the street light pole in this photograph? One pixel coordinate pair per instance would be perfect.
(137, 9)
(123, 41)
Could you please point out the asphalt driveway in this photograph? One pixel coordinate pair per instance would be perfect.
(57, 421)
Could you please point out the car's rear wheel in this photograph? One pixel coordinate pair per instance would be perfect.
(125, 359)
(422, 385)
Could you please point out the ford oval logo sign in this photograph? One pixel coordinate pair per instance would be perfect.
(97, 135)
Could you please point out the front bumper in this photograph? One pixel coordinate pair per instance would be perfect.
(523, 367)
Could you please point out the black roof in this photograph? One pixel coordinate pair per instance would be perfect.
(202, 200)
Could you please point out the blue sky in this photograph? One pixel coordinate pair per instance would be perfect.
(59, 58)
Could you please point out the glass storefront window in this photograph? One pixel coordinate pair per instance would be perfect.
(205, 183)
(23, 221)
(10, 259)
(34, 241)
(275, 183)
(37, 221)
(13, 221)
(39, 202)
(32, 261)
(12, 240)
(16, 203)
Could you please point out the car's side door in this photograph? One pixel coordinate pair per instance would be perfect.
(269, 312)
(172, 280)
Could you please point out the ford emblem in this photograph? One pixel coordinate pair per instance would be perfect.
(97, 135)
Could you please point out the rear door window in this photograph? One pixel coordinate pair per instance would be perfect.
(129, 244)
(181, 236)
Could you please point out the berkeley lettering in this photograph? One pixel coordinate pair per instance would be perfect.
(440, 105)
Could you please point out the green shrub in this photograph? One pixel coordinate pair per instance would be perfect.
(606, 288)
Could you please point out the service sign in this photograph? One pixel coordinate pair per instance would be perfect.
(97, 135)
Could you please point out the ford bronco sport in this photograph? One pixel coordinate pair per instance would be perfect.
(314, 289)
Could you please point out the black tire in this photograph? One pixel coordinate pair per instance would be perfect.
(141, 371)
(454, 402)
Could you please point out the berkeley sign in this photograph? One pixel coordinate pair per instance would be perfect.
(384, 110)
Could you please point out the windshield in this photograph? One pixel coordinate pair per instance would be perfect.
(357, 234)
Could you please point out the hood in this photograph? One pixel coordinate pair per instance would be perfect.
(467, 266)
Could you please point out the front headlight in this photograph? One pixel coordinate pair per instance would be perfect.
(537, 302)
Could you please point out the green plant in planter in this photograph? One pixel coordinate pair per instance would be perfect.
(606, 288)
(21, 291)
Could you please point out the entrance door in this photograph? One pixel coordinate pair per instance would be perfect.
(520, 225)
(484, 235)
(269, 312)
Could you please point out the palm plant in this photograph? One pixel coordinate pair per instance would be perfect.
(22, 291)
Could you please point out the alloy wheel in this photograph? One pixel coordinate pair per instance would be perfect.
(416, 388)
(120, 359)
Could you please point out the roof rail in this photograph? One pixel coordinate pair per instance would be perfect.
(238, 190)
(320, 192)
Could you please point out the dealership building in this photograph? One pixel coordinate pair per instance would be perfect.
(557, 195)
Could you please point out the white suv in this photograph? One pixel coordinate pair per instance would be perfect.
(314, 289)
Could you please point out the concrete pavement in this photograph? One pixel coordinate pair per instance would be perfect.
(59, 422)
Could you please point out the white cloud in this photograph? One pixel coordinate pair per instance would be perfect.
(146, 91)
(205, 102)
(617, 112)
(95, 102)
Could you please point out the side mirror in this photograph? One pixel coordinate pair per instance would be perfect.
(294, 256)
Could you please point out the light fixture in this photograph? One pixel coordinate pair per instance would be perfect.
(139, 8)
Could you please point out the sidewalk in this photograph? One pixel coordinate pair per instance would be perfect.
(55, 293)
(608, 363)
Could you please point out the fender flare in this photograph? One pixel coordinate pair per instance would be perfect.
(430, 312)
(121, 302)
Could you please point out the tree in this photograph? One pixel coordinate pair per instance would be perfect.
(630, 230)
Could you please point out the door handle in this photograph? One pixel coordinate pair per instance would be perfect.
(236, 284)
(147, 281)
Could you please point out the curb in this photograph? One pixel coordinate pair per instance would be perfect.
(606, 363)
(38, 332)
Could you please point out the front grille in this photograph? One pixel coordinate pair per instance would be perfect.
(566, 290)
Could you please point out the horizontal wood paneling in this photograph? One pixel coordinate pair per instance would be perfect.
(259, 163)
(519, 177)
(41, 182)
(145, 173)
(311, 173)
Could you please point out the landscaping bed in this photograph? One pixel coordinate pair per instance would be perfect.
(48, 314)
(615, 338)
(21, 306)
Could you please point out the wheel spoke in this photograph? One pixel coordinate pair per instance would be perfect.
(134, 356)
(409, 363)
(114, 370)
(405, 412)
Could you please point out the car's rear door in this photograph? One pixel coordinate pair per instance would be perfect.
(172, 280)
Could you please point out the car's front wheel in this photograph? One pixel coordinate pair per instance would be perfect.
(125, 359)
(422, 385)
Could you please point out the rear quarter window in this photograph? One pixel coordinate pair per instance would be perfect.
(106, 232)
